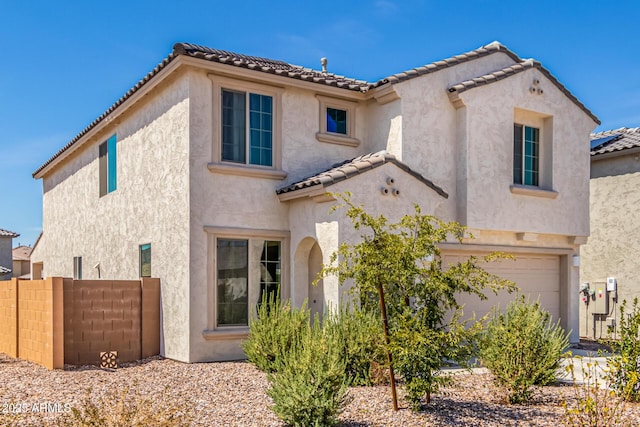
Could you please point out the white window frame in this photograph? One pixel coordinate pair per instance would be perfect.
(222, 332)
(217, 165)
(332, 137)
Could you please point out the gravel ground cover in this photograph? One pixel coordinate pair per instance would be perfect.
(234, 394)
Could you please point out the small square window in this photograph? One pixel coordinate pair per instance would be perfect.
(336, 120)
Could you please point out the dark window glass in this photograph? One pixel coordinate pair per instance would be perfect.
(232, 282)
(336, 121)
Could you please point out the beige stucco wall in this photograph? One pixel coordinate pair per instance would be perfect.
(611, 249)
(150, 205)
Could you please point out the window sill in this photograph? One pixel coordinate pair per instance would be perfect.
(334, 138)
(229, 333)
(526, 190)
(247, 170)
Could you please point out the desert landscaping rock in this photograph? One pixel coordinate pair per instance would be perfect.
(234, 394)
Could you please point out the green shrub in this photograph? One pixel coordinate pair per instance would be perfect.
(274, 331)
(522, 348)
(358, 336)
(309, 387)
(624, 369)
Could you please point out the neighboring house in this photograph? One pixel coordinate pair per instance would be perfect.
(21, 262)
(213, 172)
(615, 224)
(6, 262)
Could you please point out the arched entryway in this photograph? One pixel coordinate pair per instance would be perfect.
(307, 264)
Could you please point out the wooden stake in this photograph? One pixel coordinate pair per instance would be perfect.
(385, 326)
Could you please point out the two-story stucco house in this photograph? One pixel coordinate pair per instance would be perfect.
(213, 174)
(615, 220)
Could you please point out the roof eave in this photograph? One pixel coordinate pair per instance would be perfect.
(116, 110)
(454, 91)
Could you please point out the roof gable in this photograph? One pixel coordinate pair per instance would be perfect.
(348, 169)
(511, 71)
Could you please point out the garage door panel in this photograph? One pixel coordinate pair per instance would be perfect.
(537, 276)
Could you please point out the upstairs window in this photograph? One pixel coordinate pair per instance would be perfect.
(526, 155)
(247, 128)
(336, 121)
(108, 166)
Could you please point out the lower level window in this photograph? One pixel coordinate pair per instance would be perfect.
(248, 270)
(145, 260)
(77, 267)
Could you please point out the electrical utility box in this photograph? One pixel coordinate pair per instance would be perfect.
(601, 303)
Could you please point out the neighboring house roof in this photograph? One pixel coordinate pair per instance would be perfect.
(4, 270)
(515, 69)
(285, 69)
(350, 168)
(614, 140)
(22, 253)
(7, 233)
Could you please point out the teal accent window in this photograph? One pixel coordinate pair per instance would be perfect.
(336, 121)
(238, 136)
(108, 165)
(526, 155)
(145, 260)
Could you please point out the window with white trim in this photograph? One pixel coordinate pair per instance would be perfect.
(247, 128)
(526, 155)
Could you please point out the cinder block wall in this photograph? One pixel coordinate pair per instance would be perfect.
(104, 315)
(9, 317)
(40, 322)
(57, 321)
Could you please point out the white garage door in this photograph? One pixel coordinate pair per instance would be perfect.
(537, 276)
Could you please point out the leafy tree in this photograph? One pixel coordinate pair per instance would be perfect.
(401, 261)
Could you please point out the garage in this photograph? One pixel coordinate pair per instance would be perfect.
(536, 275)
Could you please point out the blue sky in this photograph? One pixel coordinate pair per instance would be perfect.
(64, 63)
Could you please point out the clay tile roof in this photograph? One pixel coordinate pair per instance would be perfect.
(271, 66)
(515, 69)
(7, 233)
(614, 140)
(350, 168)
(488, 49)
(22, 253)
